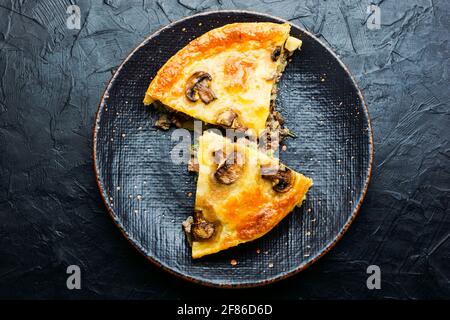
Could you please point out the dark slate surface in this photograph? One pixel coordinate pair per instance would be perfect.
(146, 193)
(51, 212)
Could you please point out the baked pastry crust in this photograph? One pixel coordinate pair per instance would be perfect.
(238, 57)
(249, 207)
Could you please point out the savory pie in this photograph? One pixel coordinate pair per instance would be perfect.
(227, 76)
(242, 193)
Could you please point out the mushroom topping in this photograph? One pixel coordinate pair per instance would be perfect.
(276, 53)
(163, 122)
(201, 229)
(198, 86)
(282, 180)
(187, 225)
(227, 118)
(230, 169)
(205, 93)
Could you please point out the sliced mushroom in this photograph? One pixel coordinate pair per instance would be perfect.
(282, 180)
(229, 118)
(226, 118)
(230, 169)
(187, 225)
(198, 86)
(193, 81)
(163, 122)
(205, 93)
(276, 53)
(238, 126)
(201, 229)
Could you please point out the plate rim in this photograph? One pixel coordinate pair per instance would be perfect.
(200, 281)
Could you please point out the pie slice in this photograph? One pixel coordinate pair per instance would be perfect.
(227, 76)
(242, 193)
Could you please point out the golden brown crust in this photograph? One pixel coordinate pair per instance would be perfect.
(246, 36)
(262, 221)
(275, 209)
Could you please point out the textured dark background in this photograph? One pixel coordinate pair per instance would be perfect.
(52, 216)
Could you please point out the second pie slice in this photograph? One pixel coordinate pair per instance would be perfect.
(227, 76)
(241, 195)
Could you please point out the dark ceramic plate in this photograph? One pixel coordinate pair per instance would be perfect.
(146, 194)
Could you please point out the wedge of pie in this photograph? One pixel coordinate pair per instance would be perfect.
(227, 76)
(241, 195)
